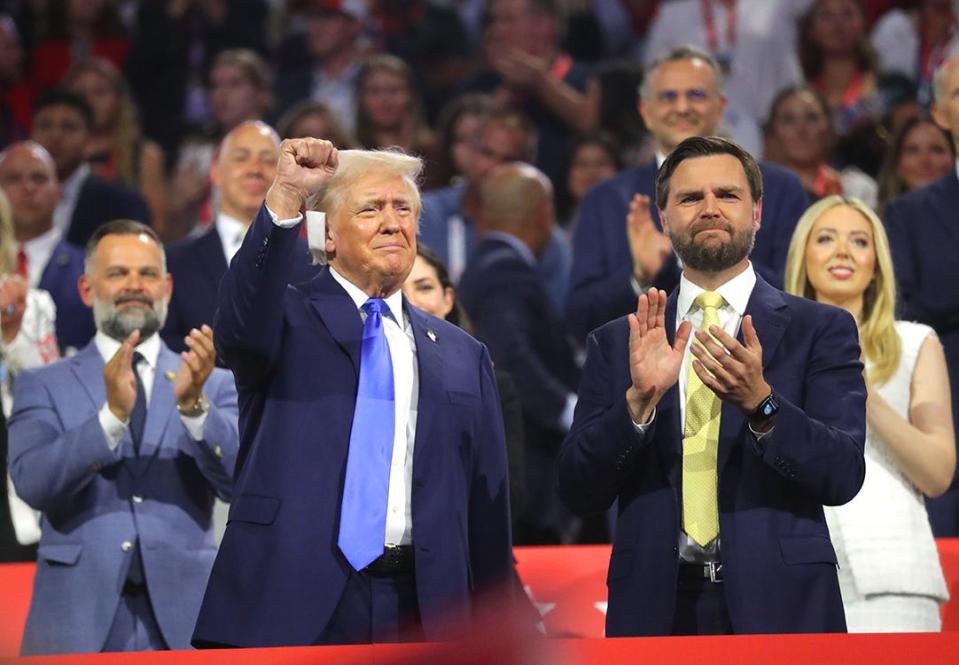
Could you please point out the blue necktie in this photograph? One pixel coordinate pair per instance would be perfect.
(365, 491)
(138, 417)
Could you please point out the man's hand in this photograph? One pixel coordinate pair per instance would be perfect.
(119, 381)
(653, 363)
(520, 70)
(649, 247)
(13, 303)
(196, 367)
(303, 170)
(733, 371)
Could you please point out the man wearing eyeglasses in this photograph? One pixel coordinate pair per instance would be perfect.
(619, 248)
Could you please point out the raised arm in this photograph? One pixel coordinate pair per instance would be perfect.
(249, 316)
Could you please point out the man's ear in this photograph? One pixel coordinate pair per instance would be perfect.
(939, 117)
(330, 240)
(757, 214)
(85, 287)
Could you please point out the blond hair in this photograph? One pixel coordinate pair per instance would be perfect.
(354, 164)
(877, 332)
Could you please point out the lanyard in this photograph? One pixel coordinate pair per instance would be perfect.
(853, 91)
(712, 36)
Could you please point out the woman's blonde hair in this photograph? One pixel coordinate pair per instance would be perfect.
(877, 332)
(8, 256)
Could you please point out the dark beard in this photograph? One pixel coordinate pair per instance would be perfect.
(713, 258)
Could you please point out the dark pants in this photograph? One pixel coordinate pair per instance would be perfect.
(135, 627)
(375, 609)
(701, 608)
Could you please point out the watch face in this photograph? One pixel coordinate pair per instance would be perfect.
(769, 408)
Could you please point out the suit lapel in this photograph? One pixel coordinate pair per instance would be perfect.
(429, 361)
(770, 318)
(87, 366)
(338, 313)
(669, 431)
(210, 256)
(58, 261)
(162, 405)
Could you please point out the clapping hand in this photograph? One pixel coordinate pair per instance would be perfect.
(653, 363)
(732, 370)
(195, 368)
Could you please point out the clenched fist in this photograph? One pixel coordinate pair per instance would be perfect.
(304, 168)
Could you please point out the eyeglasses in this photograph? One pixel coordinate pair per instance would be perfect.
(692, 95)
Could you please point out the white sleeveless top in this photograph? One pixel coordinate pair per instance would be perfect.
(884, 531)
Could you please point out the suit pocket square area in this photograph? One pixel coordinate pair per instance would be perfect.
(63, 554)
(807, 549)
(254, 509)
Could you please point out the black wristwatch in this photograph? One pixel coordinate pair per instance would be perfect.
(768, 408)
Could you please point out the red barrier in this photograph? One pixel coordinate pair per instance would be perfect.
(568, 586)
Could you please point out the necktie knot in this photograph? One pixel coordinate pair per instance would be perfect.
(137, 359)
(376, 306)
(709, 300)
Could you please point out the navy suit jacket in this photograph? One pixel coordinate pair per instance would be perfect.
(600, 285)
(99, 202)
(506, 301)
(74, 324)
(197, 264)
(94, 499)
(779, 564)
(924, 237)
(295, 352)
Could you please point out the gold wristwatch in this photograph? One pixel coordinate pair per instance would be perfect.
(198, 408)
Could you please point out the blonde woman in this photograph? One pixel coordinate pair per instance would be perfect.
(889, 571)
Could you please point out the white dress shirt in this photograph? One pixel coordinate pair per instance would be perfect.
(113, 427)
(399, 336)
(69, 193)
(38, 251)
(231, 232)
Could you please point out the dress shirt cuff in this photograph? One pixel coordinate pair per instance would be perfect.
(283, 223)
(566, 418)
(638, 288)
(194, 425)
(113, 428)
(641, 428)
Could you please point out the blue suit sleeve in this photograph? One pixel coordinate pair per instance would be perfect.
(216, 454)
(491, 552)
(249, 317)
(602, 447)
(819, 446)
(50, 465)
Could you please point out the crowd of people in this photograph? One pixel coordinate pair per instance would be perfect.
(534, 174)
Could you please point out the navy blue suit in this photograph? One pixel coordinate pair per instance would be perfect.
(506, 300)
(295, 351)
(779, 564)
(99, 202)
(74, 324)
(197, 265)
(600, 285)
(924, 237)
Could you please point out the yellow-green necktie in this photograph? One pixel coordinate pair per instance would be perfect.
(701, 442)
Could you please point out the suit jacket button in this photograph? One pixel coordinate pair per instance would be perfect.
(126, 546)
(218, 452)
(137, 498)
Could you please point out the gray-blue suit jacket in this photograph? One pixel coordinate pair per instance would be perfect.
(94, 500)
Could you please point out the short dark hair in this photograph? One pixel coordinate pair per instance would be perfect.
(705, 146)
(64, 97)
(120, 227)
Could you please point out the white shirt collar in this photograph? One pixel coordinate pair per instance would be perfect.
(660, 158)
(38, 251)
(736, 292)
(395, 301)
(231, 232)
(148, 348)
(518, 245)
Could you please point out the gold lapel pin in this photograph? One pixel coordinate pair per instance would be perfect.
(431, 335)
(170, 375)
